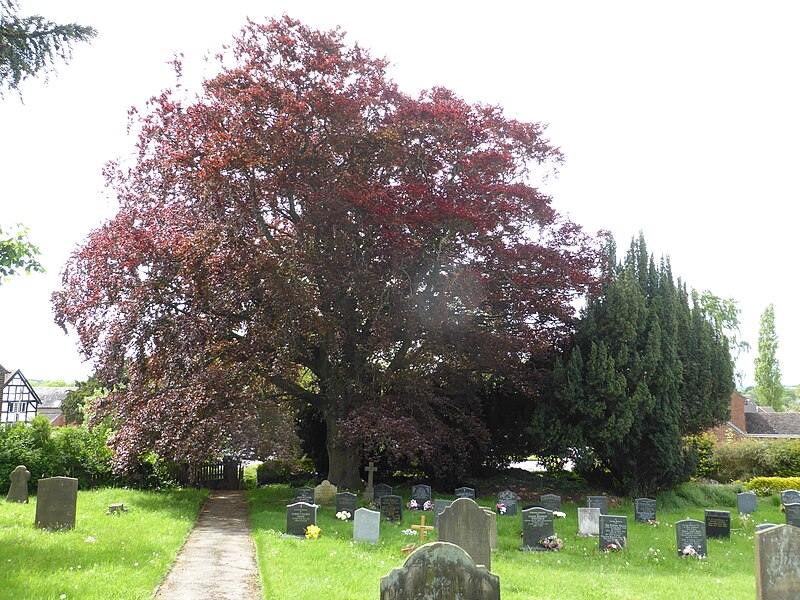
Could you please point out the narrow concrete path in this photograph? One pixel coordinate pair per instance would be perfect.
(218, 560)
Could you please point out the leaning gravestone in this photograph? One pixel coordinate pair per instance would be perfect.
(508, 499)
(746, 502)
(790, 497)
(792, 513)
(644, 510)
(551, 502)
(366, 525)
(382, 490)
(464, 524)
(600, 502)
(588, 522)
(348, 502)
(304, 494)
(537, 524)
(777, 565)
(299, 516)
(691, 532)
(325, 493)
(465, 492)
(56, 502)
(392, 508)
(440, 570)
(421, 493)
(438, 509)
(18, 492)
(718, 523)
(613, 532)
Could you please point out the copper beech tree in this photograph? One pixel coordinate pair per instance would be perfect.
(304, 236)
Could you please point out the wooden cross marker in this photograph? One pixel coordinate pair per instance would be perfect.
(423, 529)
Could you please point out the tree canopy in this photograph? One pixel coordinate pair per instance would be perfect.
(303, 236)
(767, 375)
(17, 253)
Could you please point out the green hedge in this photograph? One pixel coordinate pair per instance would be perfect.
(747, 459)
(292, 472)
(766, 486)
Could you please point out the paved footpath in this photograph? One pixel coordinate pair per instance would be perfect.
(218, 560)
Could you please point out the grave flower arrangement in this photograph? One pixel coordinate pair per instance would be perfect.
(312, 532)
(559, 515)
(613, 547)
(428, 505)
(653, 522)
(690, 551)
(552, 542)
(501, 508)
(412, 505)
(343, 515)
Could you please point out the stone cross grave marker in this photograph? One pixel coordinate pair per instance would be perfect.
(382, 490)
(792, 513)
(56, 503)
(690, 532)
(325, 493)
(304, 494)
(464, 524)
(718, 523)
(588, 522)
(537, 524)
(440, 570)
(509, 499)
(18, 491)
(600, 502)
(613, 532)
(369, 493)
(777, 566)
(438, 509)
(465, 492)
(366, 525)
(299, 516)
(423, 529)
(746, 502)
(392, 508)
(492, 517)
(644, 510)
(347, 501)
(421, 493)
(551, 502)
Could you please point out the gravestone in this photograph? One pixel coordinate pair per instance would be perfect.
(718, 523)
(18, 491)
(347, 501)
(764, 526)
(382, 490)
(600, 502)
(438, 509)
(440, 570)
(746, 502)
(366, 525)
(369, 493)
(537, 524)
(465, 492)
(792, 513)
(509, 499)
(777, 565)
(551, 502)
(464, 524)
(690, 532)
(421, 493)
(325, 493)
(613, 530)
(588, 522)
(304, 494)
(299, 516)
(790, 497)
(392, 507)
(644, 510)
(56, 503)
(492, 518)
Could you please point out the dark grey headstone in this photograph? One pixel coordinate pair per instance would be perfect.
(421, 493)
(392, 508)
(299, 516)
(746, 502)
(613, 530)
(304, 494)
(690, 532)
(18, 491)
(465, 492)
(644, 510)
(777, 570)
(438, 509)
(366, 525)
(509, 499)
(382, 490)
(56, 503)
(440, 570)
(792, 513)
(464, 524)
(600, 502)
(790, 497)
(347, 501)
(718, 523)
(551, 502)
(537, 524)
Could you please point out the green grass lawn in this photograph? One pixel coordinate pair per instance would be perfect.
(105, 556)
(334, 566)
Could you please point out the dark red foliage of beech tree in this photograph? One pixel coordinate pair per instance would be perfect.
(305, 234)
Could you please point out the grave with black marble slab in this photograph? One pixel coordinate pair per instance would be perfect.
(792, 513)
(551, 502)
(509, 501)
(382, 490)
(644, 510)
(304, 494)
(790, 497)
(347, 502)
(718, 523)
(600, 502)
(299, 516)
(392, 507)
(691, 533)
(613, 532)
(537, 524)
(421, 493)
(438, 508)
(465, 492)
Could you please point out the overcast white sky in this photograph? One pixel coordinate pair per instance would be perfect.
(679, 119)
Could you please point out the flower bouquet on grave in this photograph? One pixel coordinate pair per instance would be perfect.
(653, 522)
(613, 547)
(690, 551)
(412, 505)
(343, 515)
(559, 515)
(501, 508)
(428, 505)
(552, 542)
(312, 532)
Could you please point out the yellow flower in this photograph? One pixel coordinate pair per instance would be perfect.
(312, 532)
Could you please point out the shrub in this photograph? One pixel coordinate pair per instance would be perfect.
(702, 447)
(293, 472)
(765, 486)
(757, 458)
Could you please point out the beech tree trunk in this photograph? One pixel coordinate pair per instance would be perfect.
(343, 462)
